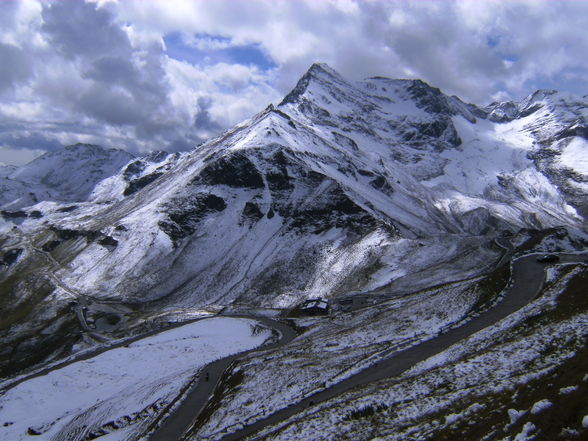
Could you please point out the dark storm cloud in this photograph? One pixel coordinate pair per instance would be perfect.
(112, 82)
(449, 56)
(184, 143)
(21, 138)
(109, 104)
(117, 92)
(122, 94)
(112, 70)
(88, 81)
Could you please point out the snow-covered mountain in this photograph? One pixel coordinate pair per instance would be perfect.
(67, 175)
(344, 186)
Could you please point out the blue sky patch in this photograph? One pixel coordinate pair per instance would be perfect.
(510, 57)
(219, 51)
(492, 41)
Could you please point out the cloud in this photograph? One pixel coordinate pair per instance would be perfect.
(444, 43)
(146, 75)
(79, 29)
(203, 118)
(16, 66)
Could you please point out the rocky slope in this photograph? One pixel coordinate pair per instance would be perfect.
(344, 186)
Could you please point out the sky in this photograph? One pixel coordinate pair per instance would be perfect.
(147, 75)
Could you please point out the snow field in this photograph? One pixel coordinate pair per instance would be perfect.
(575, 156)
(122, 381)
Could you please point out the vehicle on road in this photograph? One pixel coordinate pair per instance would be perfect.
(546, 258)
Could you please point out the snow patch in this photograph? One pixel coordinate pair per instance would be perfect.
(514, 415)
(568, 390)
(540, 406)
(527, 433)
(575, 156)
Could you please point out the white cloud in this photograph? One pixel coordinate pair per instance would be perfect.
(235, 91)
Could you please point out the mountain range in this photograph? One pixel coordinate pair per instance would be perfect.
(375, 186)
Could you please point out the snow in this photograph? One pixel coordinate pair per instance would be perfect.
(315, 303)
(575, 156)
(434, 191)
(122, 381)
(336, 348)
(456, 417)
(585, 422)
(492, 162)
(526, 433)
(568, 390)
(452, 418)
(488, 150)
(551, 274)
(496, 360)
(527, 349)
(540, 406)
(65, 175)
(432, 220)
(514, 415)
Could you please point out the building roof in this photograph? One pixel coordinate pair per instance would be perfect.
(315, 303)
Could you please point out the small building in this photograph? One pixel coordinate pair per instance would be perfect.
(315, 307)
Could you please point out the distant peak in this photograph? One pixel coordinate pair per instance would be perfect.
(83, 146)
(544, 92)
(318, 71)
(538, 95)
(322, 68)
(80, 146)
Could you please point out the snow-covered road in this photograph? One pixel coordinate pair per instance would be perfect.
(123, 388)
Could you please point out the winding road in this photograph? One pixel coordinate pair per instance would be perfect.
(82, 301)
(183, 418)
(527, 279)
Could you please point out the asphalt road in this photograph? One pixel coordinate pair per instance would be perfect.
(528, 277)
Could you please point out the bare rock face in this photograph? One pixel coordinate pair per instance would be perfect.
(234, 170)
(184, 214)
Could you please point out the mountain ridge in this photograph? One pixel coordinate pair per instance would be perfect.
(343, 187)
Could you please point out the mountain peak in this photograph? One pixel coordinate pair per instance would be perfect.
(320, 72)
(320, 69)
(80, 145)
